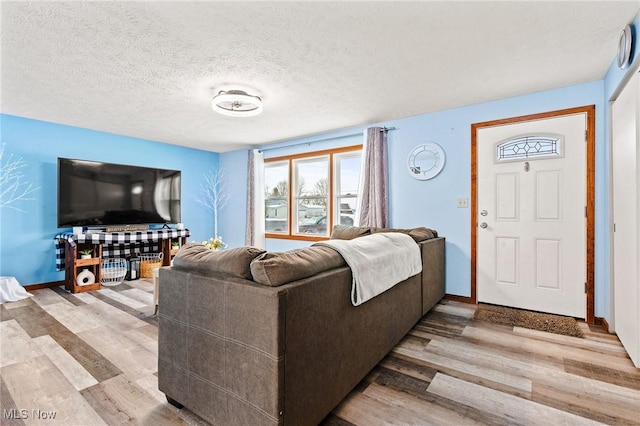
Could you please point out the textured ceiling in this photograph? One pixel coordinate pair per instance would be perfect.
(149, 69)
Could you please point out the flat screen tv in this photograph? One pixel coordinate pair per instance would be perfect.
(96, 194)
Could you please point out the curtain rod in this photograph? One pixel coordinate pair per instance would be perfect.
(384, 129)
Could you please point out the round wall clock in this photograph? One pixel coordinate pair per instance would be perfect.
(624, 47)
(426, 161)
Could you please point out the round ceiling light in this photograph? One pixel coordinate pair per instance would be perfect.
(236, 103)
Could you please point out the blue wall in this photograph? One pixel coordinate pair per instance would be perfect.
(27, 238)
(432, 203)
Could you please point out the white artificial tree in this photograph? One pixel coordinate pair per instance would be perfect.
(12, 186)
(214, 194)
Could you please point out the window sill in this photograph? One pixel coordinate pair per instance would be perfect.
(297, 237)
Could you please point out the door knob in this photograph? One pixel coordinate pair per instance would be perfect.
(483, 225)
(483, 213)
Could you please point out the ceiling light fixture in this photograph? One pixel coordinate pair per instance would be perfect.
(236, 103)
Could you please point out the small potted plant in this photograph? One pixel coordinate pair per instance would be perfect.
(175, 245)
(85, 254)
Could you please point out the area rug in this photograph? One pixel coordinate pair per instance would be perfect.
(534, 320)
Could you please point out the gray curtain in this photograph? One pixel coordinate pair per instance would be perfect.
(373, 203)
(254, 234)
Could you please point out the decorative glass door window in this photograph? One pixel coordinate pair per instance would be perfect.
(530, 147)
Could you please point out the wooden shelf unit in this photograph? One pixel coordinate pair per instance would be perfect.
(168, 251)
(75, 265)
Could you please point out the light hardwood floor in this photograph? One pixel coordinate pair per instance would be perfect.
(91, 358)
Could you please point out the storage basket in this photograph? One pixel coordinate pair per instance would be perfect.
(148, 262)
(113, 271)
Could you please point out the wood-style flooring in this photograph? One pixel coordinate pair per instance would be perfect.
(91, 359)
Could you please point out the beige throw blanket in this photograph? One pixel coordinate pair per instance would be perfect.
(377, 262)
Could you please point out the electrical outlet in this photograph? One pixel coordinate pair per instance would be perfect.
(463, 203)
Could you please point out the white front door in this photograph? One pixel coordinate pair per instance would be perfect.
(531, 198)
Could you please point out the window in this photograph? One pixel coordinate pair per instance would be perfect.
(347, 174)
(529, 147)
(276, 181)
(325, 190)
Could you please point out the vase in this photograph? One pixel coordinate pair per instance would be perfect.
(85, 277)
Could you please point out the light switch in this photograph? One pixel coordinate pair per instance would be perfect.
(463, 203)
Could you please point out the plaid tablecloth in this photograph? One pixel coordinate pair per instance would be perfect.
(118, 244)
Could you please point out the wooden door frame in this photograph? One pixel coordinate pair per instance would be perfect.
(590, 111)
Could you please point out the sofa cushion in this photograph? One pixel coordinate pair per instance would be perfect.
(277, 268)
(343, 232)
(418, 234)
(235, 262)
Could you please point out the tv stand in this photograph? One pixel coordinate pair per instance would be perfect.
(109, 245)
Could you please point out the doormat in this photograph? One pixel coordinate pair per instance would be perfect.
(534, 320)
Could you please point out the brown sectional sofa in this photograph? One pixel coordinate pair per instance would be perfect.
(248, 337)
